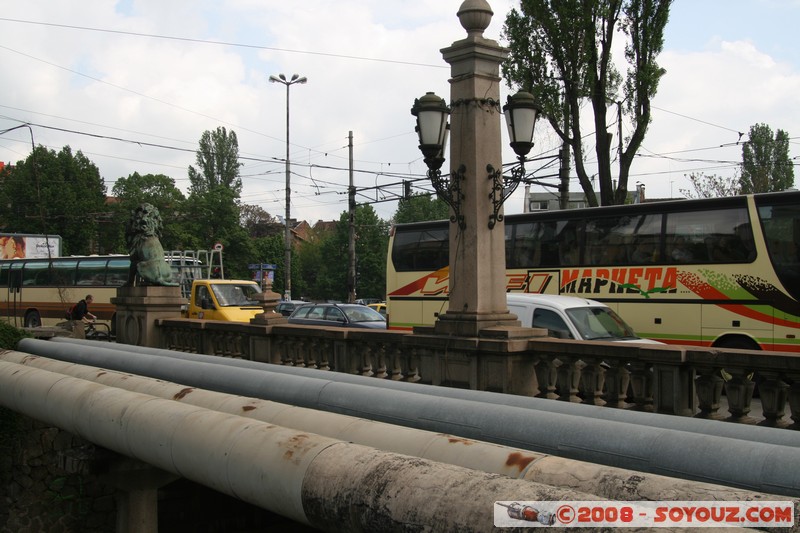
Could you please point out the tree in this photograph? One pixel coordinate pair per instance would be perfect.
(560, 51)
(257, 221)
(419, 208)
(711, 186)
(212, 208)
(766, 165)
(326, 279)
(57, 194)
(218, 159)
(158, 190)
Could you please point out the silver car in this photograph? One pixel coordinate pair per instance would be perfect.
(344, 315)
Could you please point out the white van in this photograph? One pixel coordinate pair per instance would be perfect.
(570, 317)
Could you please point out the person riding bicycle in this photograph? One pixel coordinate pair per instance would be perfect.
(81, 310)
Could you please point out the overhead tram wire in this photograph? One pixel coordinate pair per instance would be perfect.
(416, 177)
(222, 43)
(157, 100)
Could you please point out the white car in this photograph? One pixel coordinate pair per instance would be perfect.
(570, 317)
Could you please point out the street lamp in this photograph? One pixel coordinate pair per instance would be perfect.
(280, 78)
(521, 112)
(432, 127)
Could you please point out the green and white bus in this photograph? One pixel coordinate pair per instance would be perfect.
(710, 272)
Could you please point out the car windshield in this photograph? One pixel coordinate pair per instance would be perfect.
(597, 323)
(230, 295)
(362, 314)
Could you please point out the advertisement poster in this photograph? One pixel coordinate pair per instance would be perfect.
(18, 246)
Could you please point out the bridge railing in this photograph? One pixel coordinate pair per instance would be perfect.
(678, 380)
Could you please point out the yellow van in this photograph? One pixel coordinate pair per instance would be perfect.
(224, 299)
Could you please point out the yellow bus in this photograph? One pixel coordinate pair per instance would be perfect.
(40, 291)
(710, 272)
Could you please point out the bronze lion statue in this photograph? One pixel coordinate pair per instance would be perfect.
(142, 233)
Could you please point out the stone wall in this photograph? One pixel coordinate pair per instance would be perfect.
(44, 487)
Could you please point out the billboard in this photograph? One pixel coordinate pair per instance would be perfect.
(19, 245)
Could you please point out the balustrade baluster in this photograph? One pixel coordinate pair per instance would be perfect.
(708, 385)
(739, 391)
(618, 377)
(592, 379)
(413, 364)
(569, 374)
(366, 360)
(380, 361)
(773, 393)
(642, 385)
(546, 376)
(396, 374)
(794, 400)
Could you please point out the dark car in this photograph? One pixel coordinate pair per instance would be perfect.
(345, 315)
(286, 308)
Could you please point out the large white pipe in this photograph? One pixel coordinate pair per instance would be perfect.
(604, 481)
(319, 481)
(781, 437)
(746, 464)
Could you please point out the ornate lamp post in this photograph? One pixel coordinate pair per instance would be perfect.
(280, 78)
(475, 191)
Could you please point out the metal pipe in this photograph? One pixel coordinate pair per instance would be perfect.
(313, 480)
(603, 481)
(733, 462)
(694, 425)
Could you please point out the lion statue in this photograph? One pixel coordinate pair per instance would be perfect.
(142, 233)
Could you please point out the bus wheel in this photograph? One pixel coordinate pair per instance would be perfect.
(32, 319)
(737, 342)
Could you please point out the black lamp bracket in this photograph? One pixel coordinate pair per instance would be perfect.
(448, 188)
(503, 187)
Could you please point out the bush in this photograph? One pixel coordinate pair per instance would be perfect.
(10, 336)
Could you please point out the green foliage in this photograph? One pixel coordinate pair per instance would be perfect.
(218, 159)
(57, 194)
(561, 52)
(211, 212)
(323, 262)
(10, 336)
(270, 250)
(766, 164)
(158, 190)
(419, 208)
(711, 186)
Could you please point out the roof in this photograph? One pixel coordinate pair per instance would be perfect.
(553, 300)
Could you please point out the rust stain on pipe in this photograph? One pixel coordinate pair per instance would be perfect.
(459, 440)
(183, 393)
(519, 460)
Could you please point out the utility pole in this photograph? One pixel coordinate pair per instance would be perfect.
(563, 174)
(563, 169)
(351, 268)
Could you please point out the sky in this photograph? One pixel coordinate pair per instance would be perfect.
(133, 84)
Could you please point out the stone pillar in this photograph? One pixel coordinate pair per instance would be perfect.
(477, 253)
(137, 485)
(139, 307)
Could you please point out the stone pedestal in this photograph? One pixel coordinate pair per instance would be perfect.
(138, 308)
(477, 298)
(137, 485)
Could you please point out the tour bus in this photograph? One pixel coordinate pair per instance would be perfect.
(40, 291)
(710, 272)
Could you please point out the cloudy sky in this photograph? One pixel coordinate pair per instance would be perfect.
(133, 84)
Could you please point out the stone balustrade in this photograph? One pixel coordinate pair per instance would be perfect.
(678, 380)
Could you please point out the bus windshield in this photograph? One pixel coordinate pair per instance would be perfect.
(781, 224)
